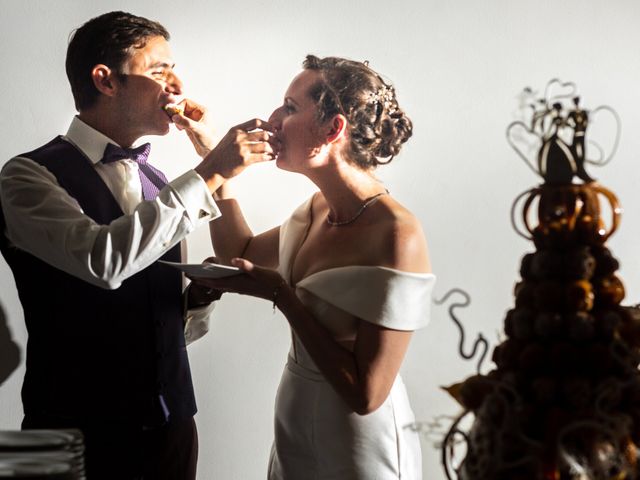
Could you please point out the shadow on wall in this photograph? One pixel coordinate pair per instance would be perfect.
(9, 350)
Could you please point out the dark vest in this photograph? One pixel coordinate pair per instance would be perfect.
(94, 354)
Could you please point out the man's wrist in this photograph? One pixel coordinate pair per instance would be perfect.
(199, 296)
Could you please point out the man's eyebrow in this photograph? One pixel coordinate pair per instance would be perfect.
(162, 64)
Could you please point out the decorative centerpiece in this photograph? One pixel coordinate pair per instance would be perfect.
(564, 399)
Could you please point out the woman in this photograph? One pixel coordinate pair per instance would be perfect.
(350, 272)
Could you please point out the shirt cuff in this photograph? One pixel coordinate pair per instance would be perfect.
(197, 321)
(196, 197)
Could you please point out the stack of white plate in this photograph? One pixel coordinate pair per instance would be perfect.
(42, 455)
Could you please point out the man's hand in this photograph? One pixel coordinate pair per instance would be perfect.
(196, 122)
(243, 145)
(199, 295)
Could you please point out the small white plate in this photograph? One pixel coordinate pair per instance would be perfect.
(205, 270)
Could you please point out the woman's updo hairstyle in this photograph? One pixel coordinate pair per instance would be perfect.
(377, 126)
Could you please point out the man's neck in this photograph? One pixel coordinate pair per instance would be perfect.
(108, 123)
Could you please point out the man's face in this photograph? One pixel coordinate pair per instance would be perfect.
(149, 85)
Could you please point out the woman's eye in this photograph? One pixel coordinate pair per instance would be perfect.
(289, 108)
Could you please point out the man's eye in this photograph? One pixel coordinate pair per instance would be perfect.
(289, 108)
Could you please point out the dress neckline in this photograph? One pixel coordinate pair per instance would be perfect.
(301, 238)
(377, 267)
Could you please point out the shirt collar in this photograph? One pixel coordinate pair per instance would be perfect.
(87, 139)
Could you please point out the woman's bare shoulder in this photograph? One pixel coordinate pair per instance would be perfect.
(402, 242)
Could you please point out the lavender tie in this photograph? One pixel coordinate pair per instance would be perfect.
(152, 179)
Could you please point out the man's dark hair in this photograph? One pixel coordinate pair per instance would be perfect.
(108, 39)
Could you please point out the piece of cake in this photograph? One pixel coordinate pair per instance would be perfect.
(174, 109)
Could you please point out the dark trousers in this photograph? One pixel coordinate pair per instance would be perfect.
(118, 451)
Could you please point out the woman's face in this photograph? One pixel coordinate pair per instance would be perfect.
(296, 126)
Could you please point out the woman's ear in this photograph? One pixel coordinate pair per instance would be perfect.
(103, 79)
(336, 128)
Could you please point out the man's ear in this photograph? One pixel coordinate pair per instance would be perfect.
(336, 129)
(103, 79)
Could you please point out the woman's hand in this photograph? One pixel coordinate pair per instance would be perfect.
(243, 145)
(197, 124)
(255, 281)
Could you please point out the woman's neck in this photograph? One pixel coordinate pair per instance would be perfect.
(346, 188)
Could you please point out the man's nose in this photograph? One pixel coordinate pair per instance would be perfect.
(174, 84)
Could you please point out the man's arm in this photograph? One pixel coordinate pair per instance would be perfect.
(44, 220)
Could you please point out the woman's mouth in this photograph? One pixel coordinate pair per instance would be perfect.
(276, 144)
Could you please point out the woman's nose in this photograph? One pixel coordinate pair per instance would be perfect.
(275, 119)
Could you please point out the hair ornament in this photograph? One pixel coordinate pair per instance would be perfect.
(384, 96)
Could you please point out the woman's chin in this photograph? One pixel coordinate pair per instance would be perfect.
(288, 164)
(281, 162)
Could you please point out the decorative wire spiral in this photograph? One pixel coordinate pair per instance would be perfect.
(481, 341)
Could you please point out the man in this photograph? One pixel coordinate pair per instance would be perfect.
(84, 223)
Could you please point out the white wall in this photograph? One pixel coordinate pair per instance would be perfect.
(457, 66)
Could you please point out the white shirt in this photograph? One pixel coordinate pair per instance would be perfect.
(44, 220)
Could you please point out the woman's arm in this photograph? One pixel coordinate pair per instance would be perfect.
(362, 377)
(231, 236)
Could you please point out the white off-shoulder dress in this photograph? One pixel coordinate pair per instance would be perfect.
(317, 437)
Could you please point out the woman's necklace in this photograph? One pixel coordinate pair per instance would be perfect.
(364, 206)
